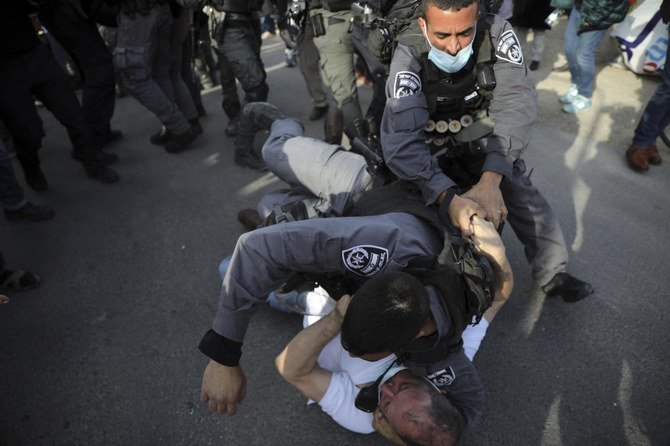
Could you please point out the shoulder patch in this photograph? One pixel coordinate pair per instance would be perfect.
(406, 84)
(443, 377)
(365, 260)
(509, 48)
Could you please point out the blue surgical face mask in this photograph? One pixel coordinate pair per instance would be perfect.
(445, 61)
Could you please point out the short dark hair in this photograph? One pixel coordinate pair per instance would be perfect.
(447, 5)
(386, 313)
(445, 427)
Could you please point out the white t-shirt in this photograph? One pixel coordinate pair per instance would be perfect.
(348, 372)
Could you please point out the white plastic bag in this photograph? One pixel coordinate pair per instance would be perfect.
(643, 38)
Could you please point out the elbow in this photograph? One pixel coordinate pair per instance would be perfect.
(280, 365)
(283, 366)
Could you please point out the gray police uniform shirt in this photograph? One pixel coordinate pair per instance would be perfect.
(513, 108)
(265, 258)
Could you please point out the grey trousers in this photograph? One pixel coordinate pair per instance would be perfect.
(308, 61)
(535, 225)
(330, 177)
(143, 55)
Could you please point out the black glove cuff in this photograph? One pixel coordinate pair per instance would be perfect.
(222, 350)
(443, 210)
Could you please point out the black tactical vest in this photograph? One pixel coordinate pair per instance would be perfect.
(457, 102)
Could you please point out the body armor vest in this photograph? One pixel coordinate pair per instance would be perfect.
(457, 102)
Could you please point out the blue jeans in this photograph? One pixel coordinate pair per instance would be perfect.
(581, 53)
(11, 194)
(656, 115)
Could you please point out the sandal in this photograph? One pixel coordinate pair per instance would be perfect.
(18, 280)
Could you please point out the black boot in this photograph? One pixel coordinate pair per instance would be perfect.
(333, 127)
(251, 160)
(318, 112)
(102, 173)
(30, 212)
(568, 287)
(178, 142)
(102, 156)
(161, 137)
(195, 126)
(263, 114)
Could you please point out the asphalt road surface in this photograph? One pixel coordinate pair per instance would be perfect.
(104, 352)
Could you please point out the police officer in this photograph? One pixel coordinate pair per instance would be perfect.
(235, 32)
(28, 70)
(79, 34)
(265, 258)
(297, 31)
(143, 56)
(359, 246)
(331, 20)
(460, 109)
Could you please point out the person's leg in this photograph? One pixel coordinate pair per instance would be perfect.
(178, 34)
(587, 48)
(241, 47)
(134, 56)
(535, 224)
(231, 103)
(13, 201)
(52, 88)
(655, 118)
(308, 62)
(656, 115)
(327, 171)
(18, 113)
(522, 35)
(86, 46)
(359, 38)
(539, 36)
(11, 194)
(570, 44)
(336, 51)
(189, 76)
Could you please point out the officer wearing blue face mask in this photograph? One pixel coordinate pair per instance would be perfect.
(460, 109)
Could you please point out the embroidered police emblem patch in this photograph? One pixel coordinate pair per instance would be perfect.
(509, 48)
(443, 378)
(365, 260)
(406, 84)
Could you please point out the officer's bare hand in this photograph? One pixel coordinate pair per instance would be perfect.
(383, 427)
(461, 211)
(487, 193)
(223, 387)
(341, 308)
(487, 241)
